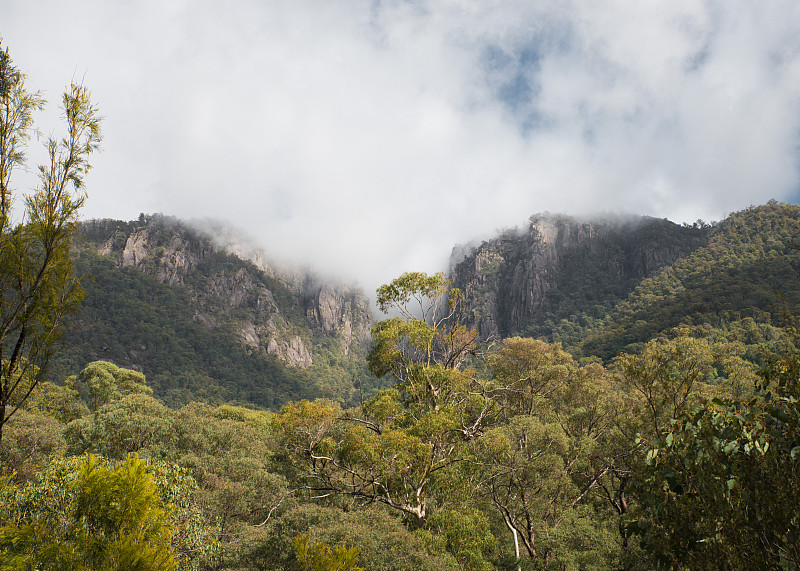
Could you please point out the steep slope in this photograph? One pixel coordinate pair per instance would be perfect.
(526, 282)
(749, 270)
(202, 323)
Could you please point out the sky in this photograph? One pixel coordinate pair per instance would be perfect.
(368, 137)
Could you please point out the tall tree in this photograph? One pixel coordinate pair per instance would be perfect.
(542, 464)
(402, 447)
(100, 516)
(37, 285)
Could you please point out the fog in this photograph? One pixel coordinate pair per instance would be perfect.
(367, 138)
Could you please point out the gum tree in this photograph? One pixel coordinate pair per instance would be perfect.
(403, 446)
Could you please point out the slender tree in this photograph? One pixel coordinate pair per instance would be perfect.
(38, 288)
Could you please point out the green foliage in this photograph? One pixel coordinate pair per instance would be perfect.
(228, 450)
(136, 423)
(527, 372)
(320, 557)
(717, 484)
(100, 383)
(449, 468)
(30, 440)
(181, 320)
(429, 330)
(719, 487)
(563, 276)
(467, 535)
(121, 523)
(415, 295)
(749, 269)
(670, 374)
(382, 540)
(37, 284)
(107, 518)
(196, 539)
(545, 464)
(59, 402)
(87, 513)
(401, 456)
(136, 321)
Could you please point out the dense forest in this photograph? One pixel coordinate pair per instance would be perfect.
(657, 428)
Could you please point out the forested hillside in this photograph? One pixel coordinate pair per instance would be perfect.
(203, 324)
(609, 285)
(527, 281)
(610, 394)
(682, 456)
(749, 271)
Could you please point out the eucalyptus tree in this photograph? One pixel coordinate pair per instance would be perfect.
(402, 447)
(38, 288)
(718, 484)
(543, 463)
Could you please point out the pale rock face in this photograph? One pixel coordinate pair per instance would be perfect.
(249, 336)
(265, 300)
(342, 311)
(235, 289)
(136, 249)
(175, 260)
(293, 352)
(329, 309)
(107, 247)
(170, 262)
(204, 319)
(297, 354)
(169, 250)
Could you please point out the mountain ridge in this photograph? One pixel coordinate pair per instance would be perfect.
(229, 322)
(232, 325)
(516, 283)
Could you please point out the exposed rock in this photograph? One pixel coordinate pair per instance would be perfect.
(341, 310)
(297, 354)
(235, 289)
(249, 336)
(136, 248)
(519, 278)
(182, 256)
(204, 319)
(293, 351)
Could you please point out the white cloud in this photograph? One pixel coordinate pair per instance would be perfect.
(369, 137)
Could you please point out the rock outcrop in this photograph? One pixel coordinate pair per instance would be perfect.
(272, 310)
(559, 266)
(339, 310)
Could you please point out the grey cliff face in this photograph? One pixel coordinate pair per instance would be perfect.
(340, 310)
(271, 310)
(559, 263)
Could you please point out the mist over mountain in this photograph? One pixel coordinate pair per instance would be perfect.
(620, 391)
(208, 315)
(202, 323)
(365, 138)
(525, 281)
(604, 285)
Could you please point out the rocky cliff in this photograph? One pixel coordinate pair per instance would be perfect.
(272, 310)
(558, 267)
